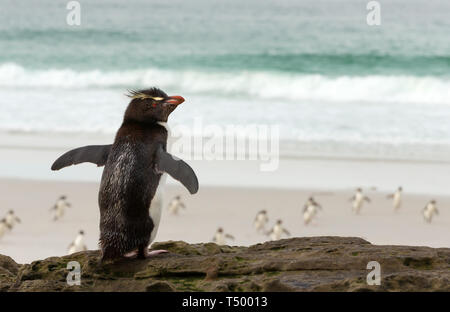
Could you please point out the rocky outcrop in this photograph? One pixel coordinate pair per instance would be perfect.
(297, 264)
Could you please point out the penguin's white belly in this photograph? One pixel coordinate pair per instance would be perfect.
(428, 214)
(155, 215)
(307, 216)
(312, 210)
(78, 245)
(397, 202)
(357, 204)
(156, 208)
(11, 220)
(59, 212)
(75, 248)
(260, 223)
(3, 230)
(219, 239)
(173, 208)
(276, 234)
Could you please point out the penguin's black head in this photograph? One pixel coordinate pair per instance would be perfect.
(279, 221)
(11, 211)
(220, 230)
(151, 105)
(400, 188)
(81, 232)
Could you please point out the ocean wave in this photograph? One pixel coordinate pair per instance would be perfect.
(253, 84)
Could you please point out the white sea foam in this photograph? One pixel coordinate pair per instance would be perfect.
(262, 85)
(402, 116)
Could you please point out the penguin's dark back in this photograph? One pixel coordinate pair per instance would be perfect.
(129, 180)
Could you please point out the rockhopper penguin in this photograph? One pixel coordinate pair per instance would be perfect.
(278, 230)
(260, 221)
(396, 198)
(175, 205)
(60, 207)
(358, 200)
(12, 219)
(133, 164)
(220, 237)
(310, 210)
(429, 210)
(78, 244)
(4, 227)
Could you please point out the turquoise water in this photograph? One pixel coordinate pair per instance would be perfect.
(315, 68)
(310, 37)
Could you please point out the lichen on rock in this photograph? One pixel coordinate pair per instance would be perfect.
(296, 264)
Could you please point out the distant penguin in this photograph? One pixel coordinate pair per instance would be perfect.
(4, 227)
(260, 221)
(60, 207)
(134, 164)
(310, 210)
(429, 210)
(396, 198)
(78, 244)
(175, 205)
(11, 219)
(278, 230)
(358, 200)
(221, 237)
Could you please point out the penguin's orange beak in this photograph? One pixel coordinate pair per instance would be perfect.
(175, 100)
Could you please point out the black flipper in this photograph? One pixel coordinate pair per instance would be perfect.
(97, 154)
(178, 169)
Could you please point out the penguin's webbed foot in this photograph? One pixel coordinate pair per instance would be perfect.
(155, 252)
(144, 253)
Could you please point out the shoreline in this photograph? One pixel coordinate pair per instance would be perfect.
(289, 149)
(29, 157)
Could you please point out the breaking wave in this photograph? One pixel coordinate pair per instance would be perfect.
(252, 84)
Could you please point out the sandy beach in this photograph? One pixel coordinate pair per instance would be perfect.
(234, 209)
(230, 195)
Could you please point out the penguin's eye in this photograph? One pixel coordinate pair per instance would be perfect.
(155, 100)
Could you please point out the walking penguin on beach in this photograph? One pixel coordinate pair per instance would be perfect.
(59, 208)
(134, 164)
(260, 221)
(220, 237)
(11, 219)
(310, 210)
(278, 230)
(4, 227)
(175, 205)
(358, 200)
(396, 198)
(78, 244)
(429, 210)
